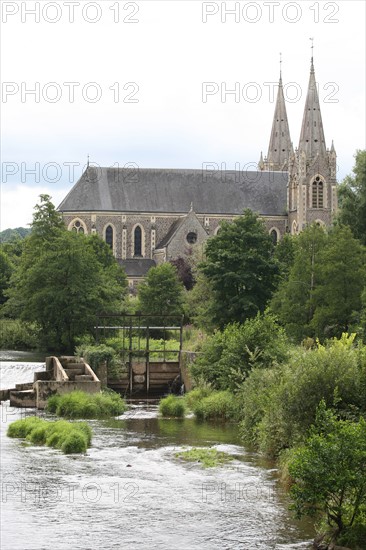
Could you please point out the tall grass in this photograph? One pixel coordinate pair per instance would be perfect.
(219, 405)
(78, 404)
(172, 406)
(69, 437)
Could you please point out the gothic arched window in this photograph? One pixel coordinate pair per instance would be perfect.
(109, 236)
(137, 241)
(274, 236)
(317, 193)
(77, 227)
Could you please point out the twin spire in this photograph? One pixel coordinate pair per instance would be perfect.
(312, 141)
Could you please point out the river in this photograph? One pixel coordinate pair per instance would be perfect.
(131, 492)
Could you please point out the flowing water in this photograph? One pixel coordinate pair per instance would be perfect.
(130, 491)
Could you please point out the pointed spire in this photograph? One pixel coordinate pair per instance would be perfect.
(312, 139)
(261, 162)
(280, 147)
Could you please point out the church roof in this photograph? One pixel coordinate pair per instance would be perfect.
(173, 191)
(280, 146)
(137, 267)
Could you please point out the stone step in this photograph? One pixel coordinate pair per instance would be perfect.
(24, 386)
(75, 365)
(24, 398)
(83, 377)
(71, 373)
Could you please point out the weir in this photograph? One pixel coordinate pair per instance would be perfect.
(62, 375)
(149, 357)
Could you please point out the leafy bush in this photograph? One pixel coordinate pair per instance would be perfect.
(78, 404)
(329, 474)
(280, 405)
(172, 406)
(95, 355)
(18, 335)
(209, 458)
(195, 395)
(220, 405)
(69, 437)
(228, 356)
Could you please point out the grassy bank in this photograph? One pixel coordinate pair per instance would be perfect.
(79, 404)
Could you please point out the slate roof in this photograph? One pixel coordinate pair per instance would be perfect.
(174, 191)
(137, 267)
(172, 231)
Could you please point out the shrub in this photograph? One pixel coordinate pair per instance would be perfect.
(228, 356)
(18, 335)
(195, 395)
(172, 406)
(69, 437)
(95, 355)
(78, 404)
(329, 474)
(220, 405)
(279, 405)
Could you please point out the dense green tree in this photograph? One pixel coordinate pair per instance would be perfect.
(199, 303)
(161, 293)
(294, 300)
(240, 267)
(6, 270)
(330, 477)
(63, 290)
(352, 198)
(341, 279)
(63, 279)
(184, 272)
(284, 253)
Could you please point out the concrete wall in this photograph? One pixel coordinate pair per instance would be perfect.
(44, 389)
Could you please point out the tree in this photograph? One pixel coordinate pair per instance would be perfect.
(6, 270)
(63, 279)
(342, 277)
(64, 289)
(284, 253)
(161, 293)
(241, 269)
(329, 473)
(294, 300)
(184, 272)
(352, 198)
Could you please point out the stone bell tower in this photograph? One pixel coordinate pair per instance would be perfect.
(312, 193)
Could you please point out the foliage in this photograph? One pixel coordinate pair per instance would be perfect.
(199, 303)
(284, 254)
(352, 198)
(78, 404)
(218, 405)
(279, 405)
(184, 272)
(69, 437)
(321, 296)
(60, 283)
(241, 269)
(11, 235)
(161, 293)
(196, 395)
(329, 472)
(172, 406)
(6, 270)
(228, 356)
(209, 458)
(94, 355)
(341, 279)
(294, 300)
(18, 335)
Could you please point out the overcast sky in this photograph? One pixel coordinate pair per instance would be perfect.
(144, 82)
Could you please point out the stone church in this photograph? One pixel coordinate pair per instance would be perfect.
(149, 216)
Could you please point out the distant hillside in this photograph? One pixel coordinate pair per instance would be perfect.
(13, 234)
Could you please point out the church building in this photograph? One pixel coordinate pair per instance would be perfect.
(150, 216)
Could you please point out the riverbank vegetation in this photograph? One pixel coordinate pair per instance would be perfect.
(207, 457)
(172, 406)
(79, 404)
(69, 437)
(277, 332)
